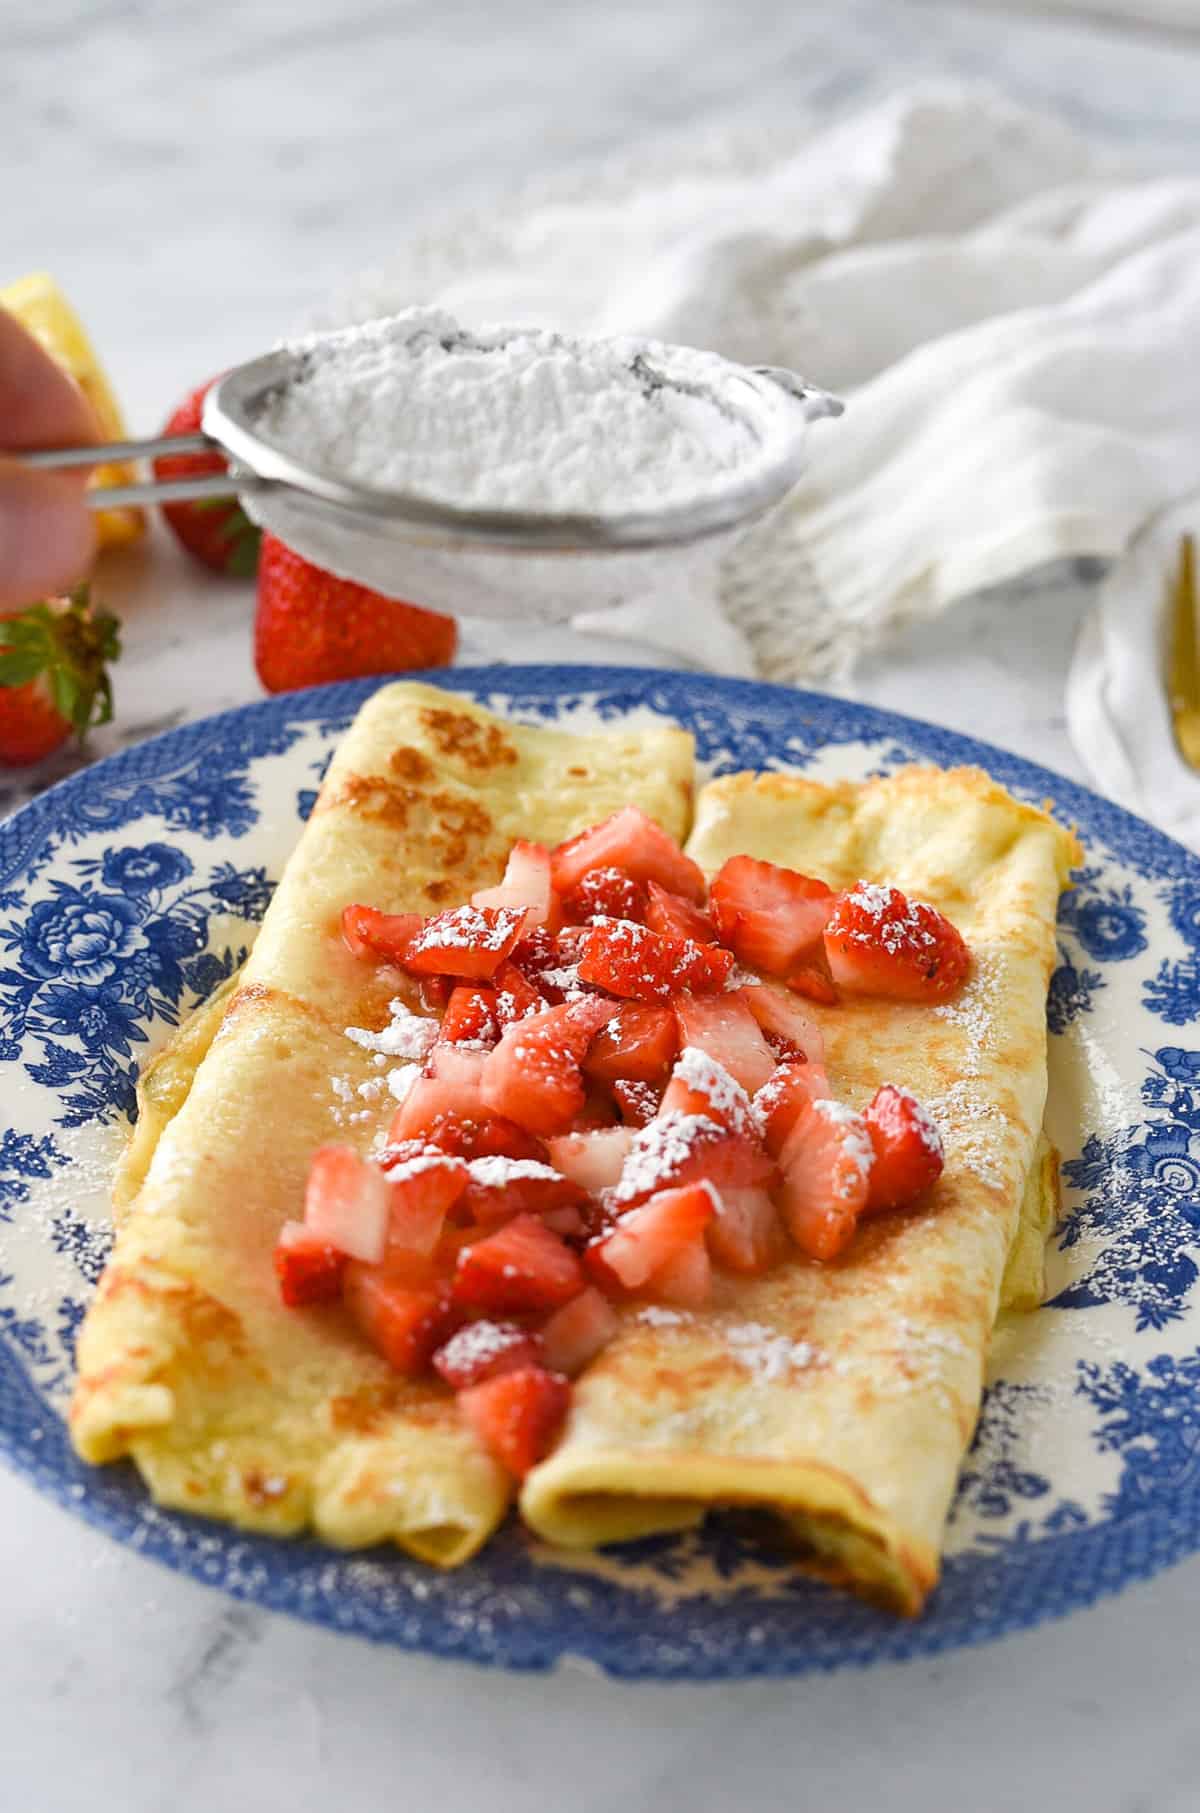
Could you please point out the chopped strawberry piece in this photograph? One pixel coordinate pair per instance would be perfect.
(745, 1234)
(533, 1075)
(535, 950)
(631, 841)
(434, 992)
(470, 1017)
(592, 1160)
(676, 917)
(677, 1149)
(813, 981)
(725, 1027)
(641, 965)
(826, 1167)
(522, 1266)
(309, 1270)
(578, 1331)
(467, 941)
(425, 1186)
(637, 1044)
(598, 1113)
(770, 917)
(638, 1102)
(608, 893)
(792, 1031)
(647, 1238)
(407, 1323)
(518, 1416)
(700, 1085)
(686, 1279)
(908, 1148)
(386, 936)
(515, 995)
(484, 1350)
(878, 942)
(347, 1203)
(526, 884)
(491, 1137)
(499, 1188)
(784, 1096)
(572, 1224)
(449, 1086)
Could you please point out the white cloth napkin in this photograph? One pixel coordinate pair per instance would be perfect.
(1012, 314)
(1117, 708)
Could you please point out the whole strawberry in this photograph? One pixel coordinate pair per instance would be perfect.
(53, 675)
(312, 627)
(214, 529)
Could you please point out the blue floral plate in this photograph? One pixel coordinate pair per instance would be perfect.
(129, 892)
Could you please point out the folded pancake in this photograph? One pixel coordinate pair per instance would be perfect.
(229, 1403)
(842, 1397)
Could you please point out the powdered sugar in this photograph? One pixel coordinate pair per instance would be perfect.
(708, 1078)
(769, 1356)
(512, 418)
(495, 1171)
(418, 1165)
(856, 1141)
(654, 1315)
(468, 928)
(407, 1035)
(660, 1150)
(896, 923)
(402, 1081)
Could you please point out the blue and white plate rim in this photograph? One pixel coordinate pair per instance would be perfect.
(714, 1605)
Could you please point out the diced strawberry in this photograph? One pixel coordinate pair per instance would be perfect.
(466, 941)
(347, 1203)
(449, 1086)
(745, 1234)
(676, 917)
(470, 1016)
(783, 1097)
(826, 1165)
(700, 1085)
(385, 936)
(535, 950)
(641, 965)
(434, 992)
(309, 1270)
(878, 942)
(491, 1137)
(515, 995)
(572, 1224)
(686, 1279)
(770, 917)
(405, 1322)
(636, 1044)
(647, 1238)
(484, 1350)
(813, 981)
(425, 1186)
(518, 1416)
(608, 893)
(638, 1102)
(526, 884)
(578, 1331)
(725, 1027)
(677, 1149)
(792, 1031)
(598, 1113)
(631, 841)
(522, 1266)
(499, 1188)
(908, 1148)
(592, 1160)
(533, 1075)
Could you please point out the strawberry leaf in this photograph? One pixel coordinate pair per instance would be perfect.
(67, 643)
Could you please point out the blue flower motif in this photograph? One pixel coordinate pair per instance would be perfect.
(1173, 992)
(97, 1016)
(1110, 927)
(86, 937)
(133, 870)
(1181, 1066)
(1184, 901)
(1070, 994)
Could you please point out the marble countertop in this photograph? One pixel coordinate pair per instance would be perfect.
(195, 179)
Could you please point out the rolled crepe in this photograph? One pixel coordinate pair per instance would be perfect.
(229, 1403)
(841, 1397)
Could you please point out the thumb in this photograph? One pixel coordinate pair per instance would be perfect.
(47, 534)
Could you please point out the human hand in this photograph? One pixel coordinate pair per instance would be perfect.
(47, 534)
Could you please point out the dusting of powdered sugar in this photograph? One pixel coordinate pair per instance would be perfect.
(654, 1315)
(402, 1080)
(512, 418)
(468, 928)
(406, 1035)
(708, 1078)
(895, 930)
(974, 1011)
(495, 1171)
(770, 1357)
(659, 1151)
(856, 1141)
(972, 1130)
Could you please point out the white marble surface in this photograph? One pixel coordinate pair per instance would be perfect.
(196, 179)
